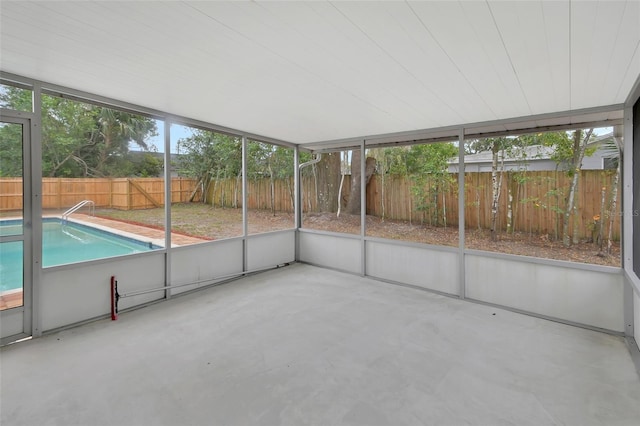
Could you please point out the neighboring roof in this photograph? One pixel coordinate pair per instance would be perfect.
(529, 153)
(305, 72)
(523, 154)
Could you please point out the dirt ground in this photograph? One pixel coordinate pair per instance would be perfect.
(216, 223)
(201, 220)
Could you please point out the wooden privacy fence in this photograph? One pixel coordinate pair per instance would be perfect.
(117, 193)
(537, 201)
(537, 198)
(228, 193)
(261, 194)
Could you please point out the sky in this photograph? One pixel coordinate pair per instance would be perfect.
(156, 143)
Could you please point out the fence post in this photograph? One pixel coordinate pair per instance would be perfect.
(59, 189)
(128, 195)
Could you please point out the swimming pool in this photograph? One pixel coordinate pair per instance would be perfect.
(62, 243)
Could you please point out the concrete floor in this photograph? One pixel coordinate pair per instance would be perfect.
(304, 345)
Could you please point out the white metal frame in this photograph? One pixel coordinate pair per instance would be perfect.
(516, 125)
(628, 226)
(20, 318)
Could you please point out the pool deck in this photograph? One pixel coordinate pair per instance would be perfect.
(157, 235)
(14, 299)
(10, 300)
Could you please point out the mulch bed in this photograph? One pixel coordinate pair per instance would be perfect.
(518, 243)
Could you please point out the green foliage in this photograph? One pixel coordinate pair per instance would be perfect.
(488, 144)
(144, 165)
(427, 165)
(15, 98)
(391, 161)
(213, 155)
(515, 147)
(80, 139)
(565, 148)
(266, 160)
(206, 153)
(10, 150)
(430, 158)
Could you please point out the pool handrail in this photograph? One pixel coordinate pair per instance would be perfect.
(77, 207)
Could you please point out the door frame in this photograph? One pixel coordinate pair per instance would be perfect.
(18, 321)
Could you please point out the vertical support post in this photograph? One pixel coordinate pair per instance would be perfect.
(461, 224)
(167, 207)
(363, 208)
(245, 228)
(627, 208)
(297, 197)
(35, 173)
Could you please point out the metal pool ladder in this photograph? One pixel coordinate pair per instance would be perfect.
(77, 207)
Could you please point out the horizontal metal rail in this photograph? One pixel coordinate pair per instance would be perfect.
(78, 206)
(210, 280)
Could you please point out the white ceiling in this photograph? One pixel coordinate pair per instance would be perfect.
(305, 72)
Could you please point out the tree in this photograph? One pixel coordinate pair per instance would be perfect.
(114, 131)
(614, 148)
(274, 162)
(207, 156)
(10, 150)
(353, 204)
(427, 165)
(497, 145)
(521, 176)
(328, 181)
(144, 164)
(389, 161)
(80, 139)
(572, 155)
(518, 150)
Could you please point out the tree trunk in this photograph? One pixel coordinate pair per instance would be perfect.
(103, 154)
(579, 147)
(272, 191)
(205, 187)
(328, 180)
(310, 198)
(340, 194)
(509, 205)
(614, 195)
(495, 190)
(444, 209)
(195, 191)
(612, 206)
(382, 180)
(566, 237)
(478, 207)
(600, 238)
(353, 205)
(236, 190)
(291, 195)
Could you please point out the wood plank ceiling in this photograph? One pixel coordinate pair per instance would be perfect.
(306, 72)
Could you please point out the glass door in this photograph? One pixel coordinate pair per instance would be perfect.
(15, 228)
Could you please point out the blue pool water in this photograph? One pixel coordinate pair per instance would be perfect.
(61, 244)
